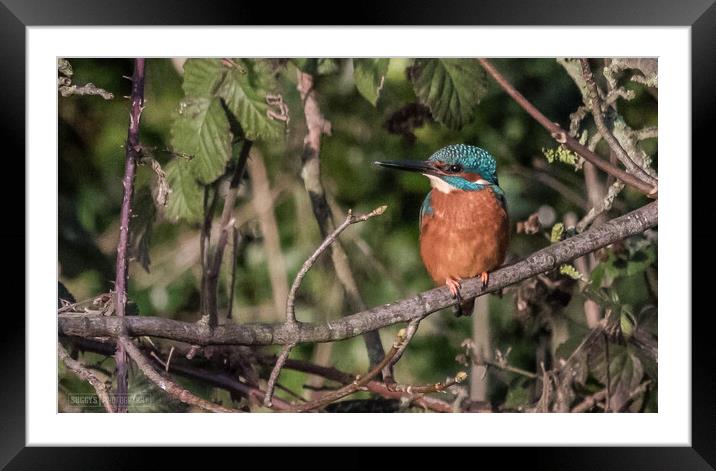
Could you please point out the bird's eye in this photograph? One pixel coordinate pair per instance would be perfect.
(455, 168)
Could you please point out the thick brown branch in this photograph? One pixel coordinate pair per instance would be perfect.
(564, 138)
(132, 152)
(378, 317)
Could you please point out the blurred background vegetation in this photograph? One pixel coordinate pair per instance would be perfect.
(383, 251)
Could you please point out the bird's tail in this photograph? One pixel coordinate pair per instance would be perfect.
(464, 308)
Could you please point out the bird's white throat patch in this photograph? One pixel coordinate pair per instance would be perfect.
(444, 187)
(440, 184)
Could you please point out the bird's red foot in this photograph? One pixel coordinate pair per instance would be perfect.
(454, 286)
(484, 277)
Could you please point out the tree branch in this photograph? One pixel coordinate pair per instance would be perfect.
(359, 383)
(564, 138)
(311, 174)
(226, 224)
(165, 383)
(84, 373)
(378, 317)
(291, 299)
(133, 151)
(596, 108)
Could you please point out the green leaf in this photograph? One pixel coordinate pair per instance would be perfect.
(202, 77)
(627, 322)
(562, 154)
(245, 90)
(186, 198)
(202, 131)
(309, 66)
(369, 75)
(569, 270)
(327, 66)
(557, 231)
(451, 88)
(625, 368)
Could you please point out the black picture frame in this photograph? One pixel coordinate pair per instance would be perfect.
(700, 15)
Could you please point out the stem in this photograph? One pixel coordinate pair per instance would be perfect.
(225, 226)
(132, 151)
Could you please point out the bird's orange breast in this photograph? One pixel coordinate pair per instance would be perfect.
(465, 234)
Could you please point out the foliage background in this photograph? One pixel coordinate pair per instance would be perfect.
(384, 251)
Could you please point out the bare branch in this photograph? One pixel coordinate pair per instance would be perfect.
(226, 225)
(358, 384)
(86, 374)
(603, 206)
(327, 242)
(590, 401)
(563, 137)
(165, 383)
(596, 107)
(132, 153)
(275, 372)
(378, 317)
(429, 388)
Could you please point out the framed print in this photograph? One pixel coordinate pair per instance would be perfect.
(443, 223)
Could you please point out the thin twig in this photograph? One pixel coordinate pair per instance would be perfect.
(603, 206)
(132, 153)
(500, 364)
(590, 401)
(563, 137)
(84, 373)
(429, 388)
(327, 242)
(234, 261)
(358, 384)
(275, 372)
(227, 223)
(166, 384)
(373, 386)
(181, 367)
(409, 334)
(204, 246)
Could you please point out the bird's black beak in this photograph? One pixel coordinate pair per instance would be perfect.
(420, 166)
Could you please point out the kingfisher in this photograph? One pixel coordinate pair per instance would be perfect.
(464, 225)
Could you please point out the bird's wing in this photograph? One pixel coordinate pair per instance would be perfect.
(426, 208)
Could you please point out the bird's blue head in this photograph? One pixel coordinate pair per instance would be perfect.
(455, 167)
